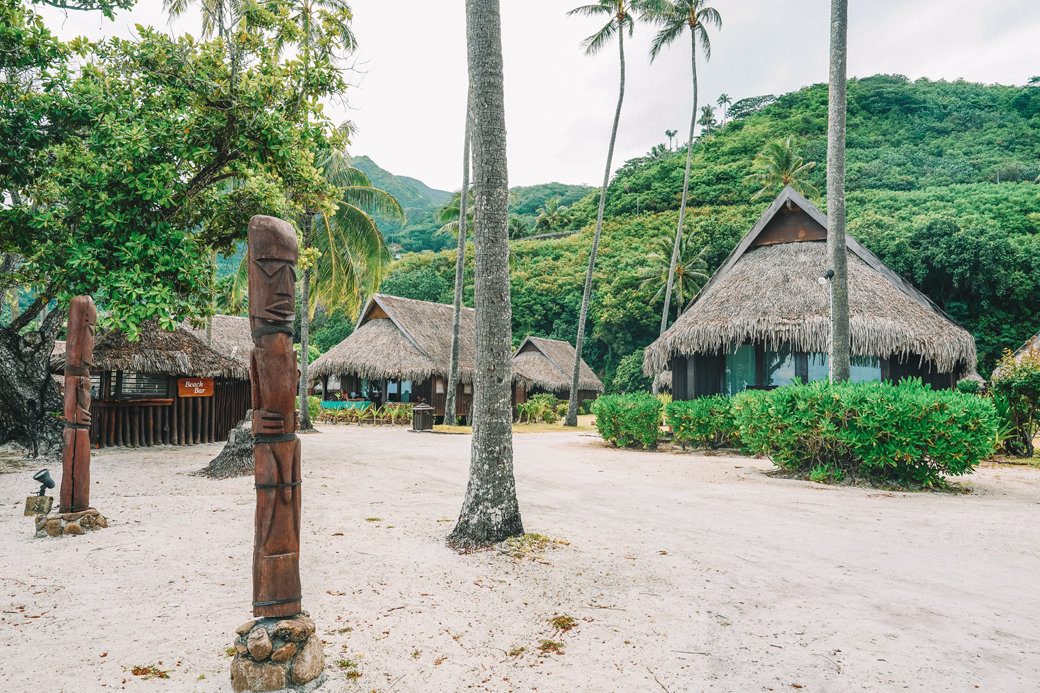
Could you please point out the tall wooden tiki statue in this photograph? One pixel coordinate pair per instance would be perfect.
(273, 253)
(79, 357)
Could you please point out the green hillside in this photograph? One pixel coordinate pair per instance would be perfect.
(924, 160)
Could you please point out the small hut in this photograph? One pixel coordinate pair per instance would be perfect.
(546, 365)
(167, 388)
(400, 351)
(763, 319)
(230, 335)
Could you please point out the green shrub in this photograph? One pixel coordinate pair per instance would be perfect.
(313, 406)
(706, 422)
(1016, 388)
(542, 407)
(970, 387)
(625, 420)
(907, 432)
(586, 406)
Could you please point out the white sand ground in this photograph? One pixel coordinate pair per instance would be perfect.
(685, 573)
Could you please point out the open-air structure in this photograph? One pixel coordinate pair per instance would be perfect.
(400, 351)
(545, 365)
(763, 319)
(167, 388)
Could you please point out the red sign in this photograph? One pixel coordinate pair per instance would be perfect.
(195, 387)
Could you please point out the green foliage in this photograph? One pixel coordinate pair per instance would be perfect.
(542, 407)
(970, 387)
(626, 420)
(423, 285)
(629, 375)
(905, 433)
(313, 406)
(706, 422)
(1016, 383)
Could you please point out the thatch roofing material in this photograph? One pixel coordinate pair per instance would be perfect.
(548, 364)
(159, 352)
(770, 294)
(1031, 344)
(412, 342)
(232, 336)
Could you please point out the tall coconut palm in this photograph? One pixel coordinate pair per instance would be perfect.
(620, 20)
(675, 18)
(451, 213)
(670, 134)
(689, 273)
(490, 512)
(840, 346)
(460, 267)
(779, 165)
(707, 120)
(724, 102)
(551, 216)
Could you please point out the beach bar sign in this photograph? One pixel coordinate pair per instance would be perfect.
(195, 387)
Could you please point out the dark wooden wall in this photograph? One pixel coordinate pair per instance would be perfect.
(173, 420)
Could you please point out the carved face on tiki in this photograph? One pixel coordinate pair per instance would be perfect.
(273, 252)
(79, 345)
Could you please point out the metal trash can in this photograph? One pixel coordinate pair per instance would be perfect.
(422, 417)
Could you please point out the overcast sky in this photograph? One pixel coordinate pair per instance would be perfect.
(409, 95)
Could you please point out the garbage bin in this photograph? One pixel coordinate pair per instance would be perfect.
(422, 417)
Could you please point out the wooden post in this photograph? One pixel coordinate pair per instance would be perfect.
(79, 357)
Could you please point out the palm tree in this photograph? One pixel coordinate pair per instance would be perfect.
(219, 17)
(451, 213)
(620, 20)
(840, 346)
(490, 512)
(460, 266)
(551, 216)
(670, 134)
(517, 228)
(724, 102)
(707, 119)
(676, 17)
(779, 165)
(688, 274)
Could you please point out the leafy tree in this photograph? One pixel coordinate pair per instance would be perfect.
(629, 376)
(688, 274)
(124, 194)
(490, 512)
(424, 284)
(517, 228)
(676, 18)
(551, 217)
(620, 19)
(779, 165)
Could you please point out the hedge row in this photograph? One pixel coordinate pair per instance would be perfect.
(907, 433)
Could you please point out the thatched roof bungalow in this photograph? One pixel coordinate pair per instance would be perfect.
(545, 365)
(763, 319)
(230, 336)
(400, 351)
(165, 388)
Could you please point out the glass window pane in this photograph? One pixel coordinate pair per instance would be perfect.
(406, 390)
(144, 385)
(780, 366)
(391, 387)
(864, 369)
(818, 366)
(740, 369)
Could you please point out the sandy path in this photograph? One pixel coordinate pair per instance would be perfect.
(685, 573)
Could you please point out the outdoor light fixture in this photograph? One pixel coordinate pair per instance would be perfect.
(827, 276)
(44, 478)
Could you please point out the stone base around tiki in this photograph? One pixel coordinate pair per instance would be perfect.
(278, 654)
(62, 524)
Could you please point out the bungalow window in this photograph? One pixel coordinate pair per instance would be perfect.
(780, 367)
(740, 369)
(467, 389)
(406, 390)
(438, 386)
(818, 366)
(864, 369)
(144, 385)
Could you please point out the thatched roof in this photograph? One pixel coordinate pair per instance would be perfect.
(663, 381)
(1031, 345)
(401, 338)
(549, 363)
(158, 352)
(231, 336)
(771, 294)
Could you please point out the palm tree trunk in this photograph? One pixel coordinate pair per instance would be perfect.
(460, 265)
(840, 346)
(685, 192)
(305, 328)
(572, 403)
(490, 512)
